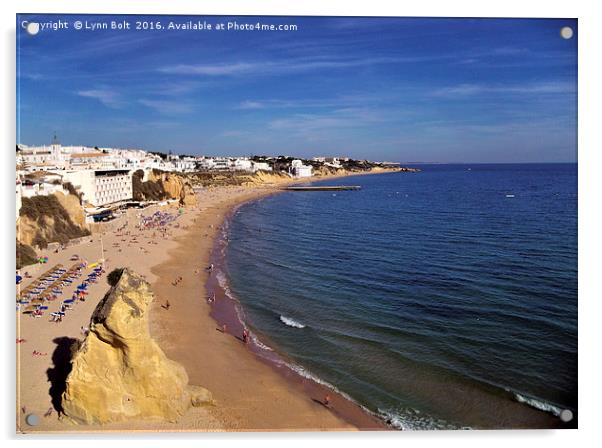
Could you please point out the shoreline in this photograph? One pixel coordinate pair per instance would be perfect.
(254, 392)
(343, 414)
(251, 395)
(230, 311)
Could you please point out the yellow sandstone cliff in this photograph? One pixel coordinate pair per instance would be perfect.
(119, 372)
(175, 186)
(54, 218)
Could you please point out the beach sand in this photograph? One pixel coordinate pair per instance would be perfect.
(251, 394)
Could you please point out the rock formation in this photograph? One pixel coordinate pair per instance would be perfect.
(53, 218)
(175, 186)
(119, 371)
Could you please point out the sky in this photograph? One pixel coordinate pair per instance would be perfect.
(394, 89)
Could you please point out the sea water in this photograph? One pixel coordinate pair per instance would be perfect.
(445, 298)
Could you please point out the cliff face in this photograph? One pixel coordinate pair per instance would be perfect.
(163, 185)
(53, 218)
(119, 371)
(267, 177)
(176, 187)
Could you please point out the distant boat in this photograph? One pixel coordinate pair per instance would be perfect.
(509, 195)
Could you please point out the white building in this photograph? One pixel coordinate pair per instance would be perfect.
(220, 163)
(241, 164)
(94, 160)
(101, 187)
(39, 158)
(332, 161)
(37, 188)
(300, 170)
(184, 164)
(260, 166)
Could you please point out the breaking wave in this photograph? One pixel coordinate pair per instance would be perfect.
(541, 405)
(291, 322)
(408, 419)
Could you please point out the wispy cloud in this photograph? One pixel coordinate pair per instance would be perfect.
(211, 70)
(465, 90)
(282, 66)
(245, 105)
(167, 107)
(351, 99)
(108, 97)
(338, 119)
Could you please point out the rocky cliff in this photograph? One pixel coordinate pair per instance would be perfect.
(119, 372)
(53, 218)
(176, 187)
(163, 185)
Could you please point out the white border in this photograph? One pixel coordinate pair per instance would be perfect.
(590, 120)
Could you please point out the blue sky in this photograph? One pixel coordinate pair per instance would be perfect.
(430, 90)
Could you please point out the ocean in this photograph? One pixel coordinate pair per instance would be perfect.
(440, 299)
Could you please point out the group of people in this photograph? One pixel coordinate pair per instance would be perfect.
(177, 281)
(158, 220)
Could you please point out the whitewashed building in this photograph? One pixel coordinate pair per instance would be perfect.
(261, 166)
(102, 187)
(38, 188)
(241, 164)
(333, 162)
(184, 164)
(300, 170)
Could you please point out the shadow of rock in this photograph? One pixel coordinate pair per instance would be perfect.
(57, 375)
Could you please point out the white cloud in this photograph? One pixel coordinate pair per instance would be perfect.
(251, 105)
(167, 107)
(296, 65)
(463, 90)
(210, 70)
(108, 97)
(349, 118)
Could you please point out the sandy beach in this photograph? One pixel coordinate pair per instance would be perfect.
(251, 394)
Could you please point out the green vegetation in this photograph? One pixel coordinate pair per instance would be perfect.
(358, 165)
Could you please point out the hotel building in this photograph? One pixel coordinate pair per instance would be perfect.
(102, 187)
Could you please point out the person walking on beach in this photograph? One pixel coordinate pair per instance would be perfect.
(327, 400)
(245, 336)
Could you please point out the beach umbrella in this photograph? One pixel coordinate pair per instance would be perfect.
(19, 279)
